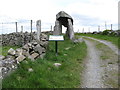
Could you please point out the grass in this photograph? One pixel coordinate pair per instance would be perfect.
(45, 74)
(115, 40)
(102, 47)
(4, 49)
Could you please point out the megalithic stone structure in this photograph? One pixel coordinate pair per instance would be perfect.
(62, 18)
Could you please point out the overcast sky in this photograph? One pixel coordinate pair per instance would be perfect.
(86, 13)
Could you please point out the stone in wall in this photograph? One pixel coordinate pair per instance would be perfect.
(15, 39)
(20, 58)
(11, 51)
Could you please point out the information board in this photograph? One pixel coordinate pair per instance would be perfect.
(56, 38)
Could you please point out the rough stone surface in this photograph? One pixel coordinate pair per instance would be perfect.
(11, 51)
(7, 66)
(38, 49)
(25, 53)
(17, 39)
(57, 64)
(20, 58)
(62, 18)
(70, 30)
(25, 47)
(19, 52)
(30, 70)
(2, 57)
(34, 55)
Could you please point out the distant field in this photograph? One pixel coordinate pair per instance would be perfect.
(45, 74)
(113, 39)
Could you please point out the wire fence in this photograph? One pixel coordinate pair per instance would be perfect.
(98, 28)
(24, 26)
(30, 26)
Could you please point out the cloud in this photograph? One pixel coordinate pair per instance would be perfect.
(84, 12)
(86, 20)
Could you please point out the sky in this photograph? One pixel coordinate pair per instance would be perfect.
(87, 14)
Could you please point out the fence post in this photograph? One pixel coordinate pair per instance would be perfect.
(16, 26)
(38, 26)
(89, 29)
(98, 28)
(105, 25)
(111, 26)
(31, 26)
(21, 28)
(83, 30)
(51, 27)
(22, 36)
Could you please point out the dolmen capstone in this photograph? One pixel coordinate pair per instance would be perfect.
(62, 18)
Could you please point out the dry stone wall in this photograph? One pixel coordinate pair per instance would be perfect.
(32, 50)
(18, 38)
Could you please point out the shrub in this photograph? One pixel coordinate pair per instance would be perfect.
(106, 32)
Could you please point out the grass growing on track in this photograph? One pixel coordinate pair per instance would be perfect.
(45, 74)
(110, 59)
(114, 39)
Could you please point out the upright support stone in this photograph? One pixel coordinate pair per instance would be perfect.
(70, 29)
(38, 26)
(57, 28)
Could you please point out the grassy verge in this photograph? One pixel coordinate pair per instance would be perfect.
(113, 39)
(45, 74)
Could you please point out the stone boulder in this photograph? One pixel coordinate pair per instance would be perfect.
(19, 51)
(11, 51)
(20, 58)
(38, 49)
(57, 64)
(2, 57)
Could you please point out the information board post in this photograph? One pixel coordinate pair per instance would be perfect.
(56, 47)
(56, 38)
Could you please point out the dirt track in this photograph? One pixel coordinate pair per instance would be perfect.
(101, 65)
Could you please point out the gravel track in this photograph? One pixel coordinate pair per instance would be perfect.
(109, 44)
(98, 71)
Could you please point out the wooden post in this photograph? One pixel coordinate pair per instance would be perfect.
(78, 31)
(22, 36)
(111, 26)
(98, 28)
(21, 28)
(89, 29)
(16, 26)
(38, 26)
(56, 47)
(51, 27)
(83, 30)
(31, 26)
(105, 25)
